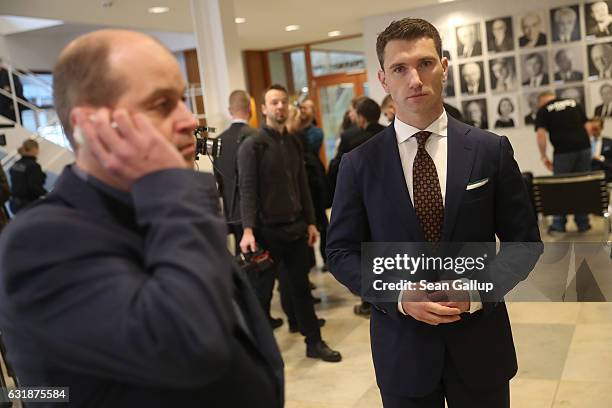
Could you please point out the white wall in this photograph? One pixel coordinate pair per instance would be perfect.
(449, 15)
(39, 49)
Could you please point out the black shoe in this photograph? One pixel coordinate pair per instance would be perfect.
(293, 328)
(275, 323)
(322, 351)
(552, 230)
(584, 229)
(363, 309)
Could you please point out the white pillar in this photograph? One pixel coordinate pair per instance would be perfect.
(219, 57)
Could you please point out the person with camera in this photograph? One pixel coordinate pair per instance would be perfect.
(119, 284)
(278, 215)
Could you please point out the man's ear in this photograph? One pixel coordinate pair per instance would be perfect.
(444, 62)
(383, 80)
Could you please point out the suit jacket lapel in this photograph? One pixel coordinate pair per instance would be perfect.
(460, 159)
(396, 191)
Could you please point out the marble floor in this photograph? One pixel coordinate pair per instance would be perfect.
(564, 351)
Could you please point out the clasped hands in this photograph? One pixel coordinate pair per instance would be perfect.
(442, 306)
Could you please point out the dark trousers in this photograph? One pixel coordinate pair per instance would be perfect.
(456, 392)
(322, 224)
(572, 162)
(296, 299)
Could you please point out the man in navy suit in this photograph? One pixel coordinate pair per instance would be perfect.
(430, 178)
(119, 284)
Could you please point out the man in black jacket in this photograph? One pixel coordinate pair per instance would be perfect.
(27, 177)
(119, 284)
(368, 113)
(277, 213)
(226, 166)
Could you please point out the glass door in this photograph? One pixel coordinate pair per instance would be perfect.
(334, 94)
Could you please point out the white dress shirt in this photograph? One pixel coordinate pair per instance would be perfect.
(437, 147)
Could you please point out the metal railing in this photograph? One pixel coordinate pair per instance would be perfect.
(46, 122)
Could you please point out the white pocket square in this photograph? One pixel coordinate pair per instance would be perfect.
(476, 184)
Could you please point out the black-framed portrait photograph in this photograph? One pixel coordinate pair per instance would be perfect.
(449, 84)
(471, 78)
(469, 41)
(502, 74)
(534, 69)
(504, 111)
(600, 60)
(568, 64)
(597, 19)
(565, 24)
(475, 112)
(533, 29)
(572, 92)
(600, 99)
(500, 35)
(530, 106)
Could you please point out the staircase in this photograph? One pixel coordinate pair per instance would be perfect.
(55, 153)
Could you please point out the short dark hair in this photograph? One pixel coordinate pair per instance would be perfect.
(500, 102)
(407, 29)
(274, 87)
(369, 109)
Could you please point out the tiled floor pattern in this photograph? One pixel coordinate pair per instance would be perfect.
(564, 352)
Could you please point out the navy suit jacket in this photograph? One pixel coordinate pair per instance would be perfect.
(372, 203)
(131, 305)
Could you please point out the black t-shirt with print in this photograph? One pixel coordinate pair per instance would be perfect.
(564, 120)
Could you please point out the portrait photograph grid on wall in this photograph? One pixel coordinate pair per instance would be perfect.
(565, 48)
(565, 24)
(469, 40)
(475, 112)
(532, 29)
(567, 64)
(471, 78)
(600, 99)
(500, 34)
(504, 111)
(598, 19)
(534, 69)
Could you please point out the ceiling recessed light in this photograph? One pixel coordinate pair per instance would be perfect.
(240, 20)
(292, 28)
(159, 10)
(445, 1)
(334, 33)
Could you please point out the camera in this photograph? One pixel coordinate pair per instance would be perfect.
(257, 262)
(206, 145)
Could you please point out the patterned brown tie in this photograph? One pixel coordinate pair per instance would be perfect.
(426, 191)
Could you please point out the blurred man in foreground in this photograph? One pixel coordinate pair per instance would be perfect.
(119, 284)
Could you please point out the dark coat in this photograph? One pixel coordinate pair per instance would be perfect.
(134, 303)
